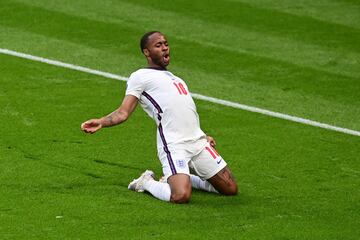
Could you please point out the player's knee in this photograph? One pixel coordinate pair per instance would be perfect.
(180, 197)
(231, 189)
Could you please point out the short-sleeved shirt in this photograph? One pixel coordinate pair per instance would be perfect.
(166, 99)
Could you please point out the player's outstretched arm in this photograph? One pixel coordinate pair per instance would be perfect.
(118, 116)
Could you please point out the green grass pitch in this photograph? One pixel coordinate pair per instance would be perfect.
(296, 57)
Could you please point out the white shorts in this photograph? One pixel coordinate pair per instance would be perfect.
(205, 163)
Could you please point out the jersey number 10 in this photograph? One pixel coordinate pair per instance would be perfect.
(181, 88)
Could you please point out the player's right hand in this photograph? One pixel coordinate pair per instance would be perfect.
(211, 140)
(91, 126)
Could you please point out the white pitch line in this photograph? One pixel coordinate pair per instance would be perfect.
(62, 64)
(195, 95)
(276, 114)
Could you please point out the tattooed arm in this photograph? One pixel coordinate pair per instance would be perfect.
(118, 116)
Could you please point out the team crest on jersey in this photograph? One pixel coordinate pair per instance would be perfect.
(180, 163)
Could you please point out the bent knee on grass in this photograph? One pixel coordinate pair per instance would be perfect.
(224, 182)
(231, 189)
(180, 197)
(180, 188)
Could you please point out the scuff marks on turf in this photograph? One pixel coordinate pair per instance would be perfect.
(117, 164)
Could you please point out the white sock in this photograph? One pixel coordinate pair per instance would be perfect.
(198, 183)
(159, 190)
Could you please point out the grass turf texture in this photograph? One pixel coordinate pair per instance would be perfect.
(297, 182)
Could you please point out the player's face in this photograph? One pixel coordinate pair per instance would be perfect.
(158, 51)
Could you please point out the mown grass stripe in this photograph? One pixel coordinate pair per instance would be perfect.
(195, 95)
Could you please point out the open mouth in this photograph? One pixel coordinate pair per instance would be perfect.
(166, 57)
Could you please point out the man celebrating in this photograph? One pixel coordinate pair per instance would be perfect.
(182, 145)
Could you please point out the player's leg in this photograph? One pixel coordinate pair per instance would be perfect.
(175, 186)
(224, 182)
(177, 189)
(146, 182)
(177, 174)
(180, 186)
(200, 184)
(212, 170)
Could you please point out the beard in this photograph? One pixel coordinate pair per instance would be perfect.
(160, 60)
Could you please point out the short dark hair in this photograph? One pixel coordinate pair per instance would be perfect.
(145, 38)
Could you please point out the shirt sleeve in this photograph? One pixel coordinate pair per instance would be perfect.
(135, 86)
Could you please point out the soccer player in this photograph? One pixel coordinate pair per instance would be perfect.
(182, 145)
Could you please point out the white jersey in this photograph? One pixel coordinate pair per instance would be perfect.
(166, 99)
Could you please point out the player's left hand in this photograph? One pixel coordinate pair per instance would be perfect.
(211, 140)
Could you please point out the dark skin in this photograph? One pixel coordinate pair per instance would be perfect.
(157, 53)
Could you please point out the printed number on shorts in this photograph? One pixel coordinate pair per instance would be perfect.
(181, 88)
(213, 152)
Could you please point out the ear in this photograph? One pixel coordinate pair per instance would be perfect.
(146, 52)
